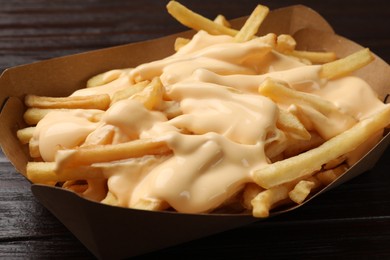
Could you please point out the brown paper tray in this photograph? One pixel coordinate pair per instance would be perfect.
(122, 232)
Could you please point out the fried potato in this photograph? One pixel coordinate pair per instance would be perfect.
(347, 65)
(221, 19)
(311, 161)
(252, 24)
(196, 21)
(88, 155)
(129, 91)
(25, 134)
(33, 115)
(302, 189)
(101, 102)
(47, 172)
(314, 57)
(151, 204)
(104, 78)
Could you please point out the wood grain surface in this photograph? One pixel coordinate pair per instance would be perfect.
(351, 221)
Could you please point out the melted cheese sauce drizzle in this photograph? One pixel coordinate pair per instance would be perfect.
(218, 140)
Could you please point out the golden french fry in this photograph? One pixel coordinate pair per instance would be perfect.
(275, 145)
(103, 78)
(302, 117)
(33, 147)
(334, 163)
(33, 115)
(289, 123)
(328, 176)
(285, 43)
(129, 91)
(220, 19)
(267, 199)
(250, 192)
(316, 108)
(325, 123)
(25, 134)
(196, 21)
(86, 102)
(152, 95)
(311, 161)
(301, 190)
(46, 172)
(313, 56)
(88, 155)
(252, 24)
(180, 42)
(151, 204)
(281, 93)
(347, 65)
(104, 135)
(296, 146)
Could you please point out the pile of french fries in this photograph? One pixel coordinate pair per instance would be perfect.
(297, 169)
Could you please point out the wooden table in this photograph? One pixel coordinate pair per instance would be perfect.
(351, 221)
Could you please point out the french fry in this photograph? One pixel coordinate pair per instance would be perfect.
(326, 177)
(152, 95)
(102, 136)
(33, 115)
(252, 24)
(281, 93)
(347, 65)
(291, 125)
(196, 21)
(250, 192)
(86, 102)
(302, 189)
(33, 148)
(88, 155)
(180, 42)
(103, 78)
(47, 172)
(314, 57)
(285, 43)
(25, 134)
(334, 163)
(267, 199)
(302, 117)
(311, 161)
(316, 108)
(129, 91)
(275, 145)
(296, 146)
(151, 204)
(220, 19)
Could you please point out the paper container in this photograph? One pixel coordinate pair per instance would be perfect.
(114, 232)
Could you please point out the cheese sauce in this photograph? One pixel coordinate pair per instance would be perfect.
(219, 138)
